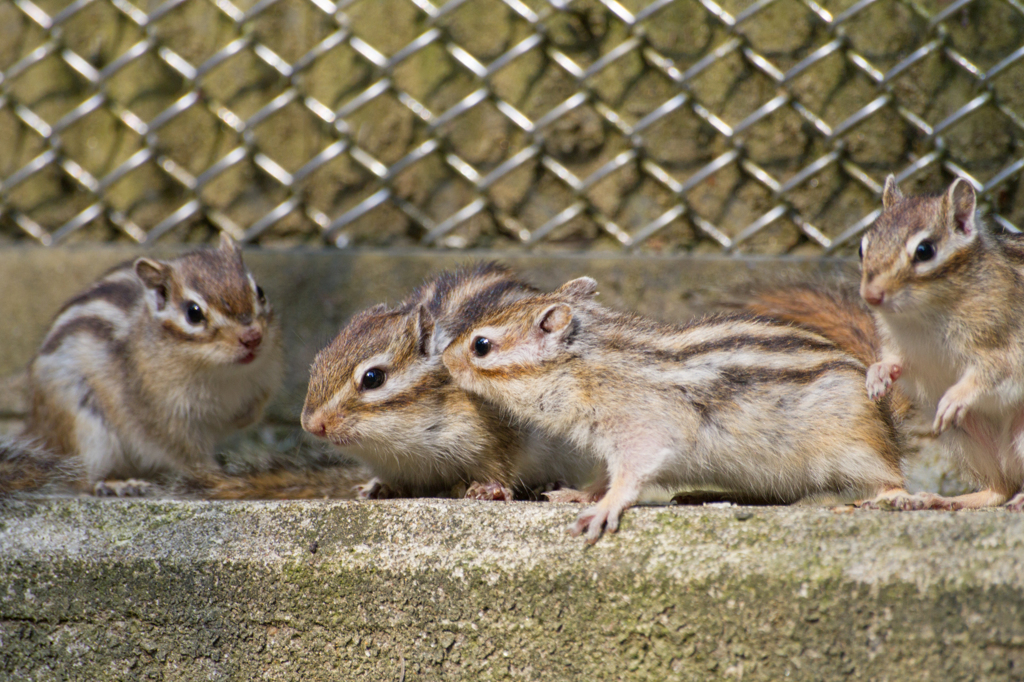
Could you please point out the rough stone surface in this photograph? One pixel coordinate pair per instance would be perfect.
(430, 590)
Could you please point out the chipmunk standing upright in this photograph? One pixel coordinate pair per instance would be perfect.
(744, 403)
(142, 373)
(380, 388)
(946, 289)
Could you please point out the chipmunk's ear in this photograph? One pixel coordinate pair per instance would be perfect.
(229, 246)
(578, 289)
(555, 318)
(154, 275)
(958, 205)
(891, 192)
(422, 327)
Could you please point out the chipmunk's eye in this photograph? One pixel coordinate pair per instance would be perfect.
(194, 313)
(260, 295)
(481, 346)
(860, 251)
(925, 251)
(372, 378)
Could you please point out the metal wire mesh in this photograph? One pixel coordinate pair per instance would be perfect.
(697, 125)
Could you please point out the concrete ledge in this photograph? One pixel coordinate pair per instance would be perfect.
(431, 589)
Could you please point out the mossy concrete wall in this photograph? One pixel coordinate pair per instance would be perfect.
(431, 590)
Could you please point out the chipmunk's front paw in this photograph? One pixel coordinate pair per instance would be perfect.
(488, 491)
(595, 520)
(1017, 503)
(952, 408)
(374, 489)
(131, 487)
(881, 376)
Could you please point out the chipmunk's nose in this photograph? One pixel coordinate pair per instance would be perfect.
(314, 424)
(251, 338)
(873, 295)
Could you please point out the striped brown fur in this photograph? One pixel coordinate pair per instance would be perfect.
(754, 405)
(98, 328)
(832, 308)
(428, 435)
(156, 388)
(120, 294)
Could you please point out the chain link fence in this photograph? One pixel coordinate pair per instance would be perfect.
(690, 125)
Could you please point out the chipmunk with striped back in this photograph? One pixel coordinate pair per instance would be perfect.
(380, 389)
(944, 288)
(743, 403)
(141, 374)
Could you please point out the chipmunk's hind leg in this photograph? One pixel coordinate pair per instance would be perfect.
(898, 499)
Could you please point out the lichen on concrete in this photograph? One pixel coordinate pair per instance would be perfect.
(439, 589)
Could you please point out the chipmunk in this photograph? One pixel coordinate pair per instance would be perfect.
(381, 390)
(143, 372)
(944, 288)
(831, 307)
(744, 403)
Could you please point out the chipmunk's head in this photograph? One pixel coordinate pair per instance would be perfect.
(381, 388)
(373, 378)
(207, 306)
(508, 343)
(455, 297)
(916, 245)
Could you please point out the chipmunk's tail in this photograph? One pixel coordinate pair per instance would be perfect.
(26, 466)
(338, 482)
(830, 307)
